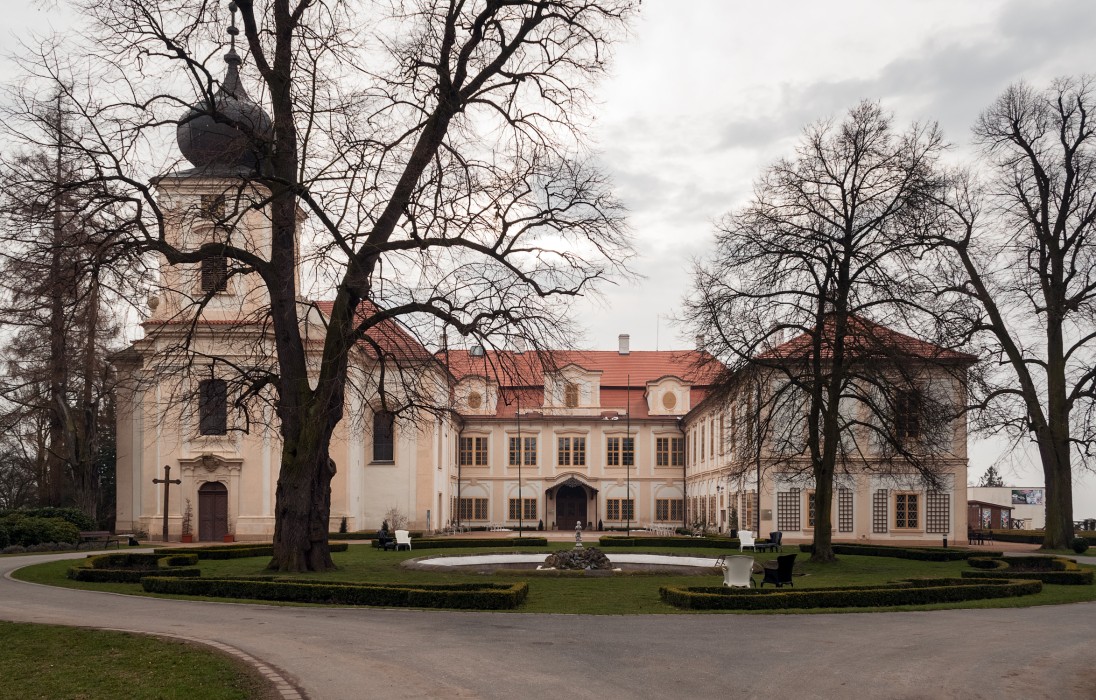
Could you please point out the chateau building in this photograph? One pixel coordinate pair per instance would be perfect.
(614, 439)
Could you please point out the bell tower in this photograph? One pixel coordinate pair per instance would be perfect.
(217, 205)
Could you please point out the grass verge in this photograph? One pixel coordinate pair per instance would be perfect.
(44, 661)
(613, 595)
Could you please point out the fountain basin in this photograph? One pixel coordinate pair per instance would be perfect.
(486, 563)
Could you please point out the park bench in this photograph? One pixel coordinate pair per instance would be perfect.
(100, 537)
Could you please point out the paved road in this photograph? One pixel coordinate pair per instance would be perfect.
(332, 653)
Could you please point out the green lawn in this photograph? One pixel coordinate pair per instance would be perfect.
(43, 661)
(615, 595)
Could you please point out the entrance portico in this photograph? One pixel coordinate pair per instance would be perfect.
(575, 502)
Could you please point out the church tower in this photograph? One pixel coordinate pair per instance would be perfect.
(216, 205)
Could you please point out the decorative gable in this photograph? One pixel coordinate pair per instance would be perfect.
(476, 396)
(668, 396)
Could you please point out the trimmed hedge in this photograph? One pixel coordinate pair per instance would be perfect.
(467, 596)
(456, 543)
(237, 551)
(910, 592)
(365, 535)
(918, 553)
(131, 568)
(81, 520)
(680, 542)
(1056, 570)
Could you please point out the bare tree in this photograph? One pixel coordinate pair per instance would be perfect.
(58, 278)
(825, 245)
(1018, 278)
(427, 158)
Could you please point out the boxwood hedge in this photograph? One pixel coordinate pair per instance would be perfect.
(919, 553)
(131, 568)
(470, 596)
(236, 551)
(455, 543)
(910, 592)
(1054, 570)
(682, 542)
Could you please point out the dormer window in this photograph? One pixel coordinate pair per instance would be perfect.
(570, 395)
(669, 400)
(214, 274)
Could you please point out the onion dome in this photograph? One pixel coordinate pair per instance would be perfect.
(234, 132)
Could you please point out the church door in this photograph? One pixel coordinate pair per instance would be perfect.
(212, 512)
(570, 507)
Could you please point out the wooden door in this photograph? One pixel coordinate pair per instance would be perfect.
(212, 512)
(570, 507)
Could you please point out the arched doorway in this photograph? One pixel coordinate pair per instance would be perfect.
(571, 502)
(212, 512)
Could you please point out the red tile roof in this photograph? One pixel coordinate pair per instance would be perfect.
(389, 335)
(636, 369)
(866, 339)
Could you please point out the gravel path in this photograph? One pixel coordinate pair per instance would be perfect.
(331, 653)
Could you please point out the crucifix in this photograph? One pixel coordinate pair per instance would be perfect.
(167, 481)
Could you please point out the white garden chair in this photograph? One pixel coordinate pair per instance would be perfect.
(737, 571)
(403, 537)
(746, 539)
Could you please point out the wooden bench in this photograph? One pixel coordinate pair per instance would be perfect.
(100, 537)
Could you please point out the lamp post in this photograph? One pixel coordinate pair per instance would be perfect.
(629, 454)
(521, 458)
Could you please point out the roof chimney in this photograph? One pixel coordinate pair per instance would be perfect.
(624, 341)
(699, 341)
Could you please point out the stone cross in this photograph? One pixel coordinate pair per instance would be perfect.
(167, 481)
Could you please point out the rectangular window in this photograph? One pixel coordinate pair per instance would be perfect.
(514, 509)
(473, 509)
(214, 273)
(811, 506)
(620, 451)
(529, 451)
(212, 407)
(619, 509)
(722, 436)
(662, 452)
(703, 433)
(907, 416)
(905, 511)
(711, 509)
(787, 510)
(677, 452)
(844, 509)
(748, 509)
(384, 436)
(473, 451)
(937, 512)
(879, 511)
(572, 451)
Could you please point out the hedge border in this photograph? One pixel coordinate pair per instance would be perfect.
(455, 543)
(1060, 571)
(464, 596)
(679, 542)
(916, 553)
(131, 568)
(237, 551)
(907, 592)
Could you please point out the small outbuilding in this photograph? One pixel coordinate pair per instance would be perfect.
(982, 515)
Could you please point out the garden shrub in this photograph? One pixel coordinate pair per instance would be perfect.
(28, 530)
(1079, 545)
(918, 553)
(910, 592)
(469, 596)
(131, 568)
(81, 520)
(1056, 570)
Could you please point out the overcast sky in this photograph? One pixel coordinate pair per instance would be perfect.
(705, 93)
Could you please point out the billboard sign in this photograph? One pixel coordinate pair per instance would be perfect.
(1027, 497)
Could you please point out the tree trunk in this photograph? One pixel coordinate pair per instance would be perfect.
(1054, 454)
(304, 506)
(823, 511)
